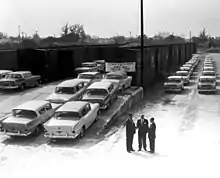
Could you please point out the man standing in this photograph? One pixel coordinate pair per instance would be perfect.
(142, 125)
(130, 131)
(152, 135)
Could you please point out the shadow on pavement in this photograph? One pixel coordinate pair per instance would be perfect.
(191, 83)
(186, 91)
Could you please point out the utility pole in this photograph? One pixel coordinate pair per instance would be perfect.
(19, 33)
(142, 43)
(190, 36)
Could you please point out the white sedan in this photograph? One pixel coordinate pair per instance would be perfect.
(71, 120)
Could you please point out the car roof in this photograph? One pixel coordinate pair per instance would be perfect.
(90, 73)
(70, 83)
(116, 73)
(174, 77)
(100, 85)
(20, 72)
(74, 106)
(88, 62)
(32, 105)
(5, 71)
(208, 77)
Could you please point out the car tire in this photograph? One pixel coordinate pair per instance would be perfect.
(37, 130)
(22, 87)
(82, 132)
(37, 83)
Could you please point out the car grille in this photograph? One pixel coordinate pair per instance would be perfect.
(171, 86)
(7, 83)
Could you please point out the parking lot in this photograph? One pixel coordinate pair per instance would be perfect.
(187, 143)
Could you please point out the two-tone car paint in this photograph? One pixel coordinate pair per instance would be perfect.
(69, 90)
(119, 77)
(174, 84)
(27, 118)
(207, 84)
(71, 120)
(104, 93)
(21, 79)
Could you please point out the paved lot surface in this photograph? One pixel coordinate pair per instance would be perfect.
(187, 144)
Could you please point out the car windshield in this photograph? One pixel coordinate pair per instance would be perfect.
(209, 74)
(86, 76)
(89, 64)
(67, 115)
(113, 76)
(97, 92)
(174, 81)
(182, 74)
(206, 80)
(65, 90)
(14, 76)
(24, 113)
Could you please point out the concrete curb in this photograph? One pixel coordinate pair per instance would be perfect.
(129, 101)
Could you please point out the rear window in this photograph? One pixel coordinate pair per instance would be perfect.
(24, 113)
(207, 80)
(174, 80)
(86, 76)
(67, 116)
(182, 74)
(113, 76)
(97, 92)
(65, 90)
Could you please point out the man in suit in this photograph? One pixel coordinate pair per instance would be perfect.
(142, 125)
(130, 131)
(152, 135)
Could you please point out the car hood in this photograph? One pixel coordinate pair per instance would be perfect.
(93, 97)
(16, 120)
(58, 97)
(61, 123)
(84, 80)
(111, 80)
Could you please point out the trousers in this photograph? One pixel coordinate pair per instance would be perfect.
(142, 140)
(129, 142)
(152, 144)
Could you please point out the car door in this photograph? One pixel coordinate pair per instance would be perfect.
(80, 89)
(89, 117)
(28, 80)
(49, 112)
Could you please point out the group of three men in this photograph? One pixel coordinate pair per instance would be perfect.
(143, 129)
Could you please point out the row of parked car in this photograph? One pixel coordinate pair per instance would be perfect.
(176, 82)
(207, 81)
(70, 109)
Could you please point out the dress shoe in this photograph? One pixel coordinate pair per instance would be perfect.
(139, 150)
(145, 149)
(128, 151)
(132, 150)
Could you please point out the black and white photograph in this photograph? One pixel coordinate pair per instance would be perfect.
(109, 89)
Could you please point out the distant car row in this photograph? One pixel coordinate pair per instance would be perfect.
(177, 81)
(74, 106)
(95, 66)
(207, 81)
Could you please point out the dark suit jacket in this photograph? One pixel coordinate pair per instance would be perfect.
(142, 128)
(130, 128)
(152, 131)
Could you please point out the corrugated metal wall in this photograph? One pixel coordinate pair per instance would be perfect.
(55, 64)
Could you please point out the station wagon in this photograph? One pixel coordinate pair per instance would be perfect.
(69, 90)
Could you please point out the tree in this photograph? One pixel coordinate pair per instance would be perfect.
(65, 29)
(78, 29)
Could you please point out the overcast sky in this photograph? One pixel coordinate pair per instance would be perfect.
(110, 17)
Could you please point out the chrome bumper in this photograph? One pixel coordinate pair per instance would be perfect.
(206, 90)
(17, 134)
(9, 87)
(173, 89)
(46, 135)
